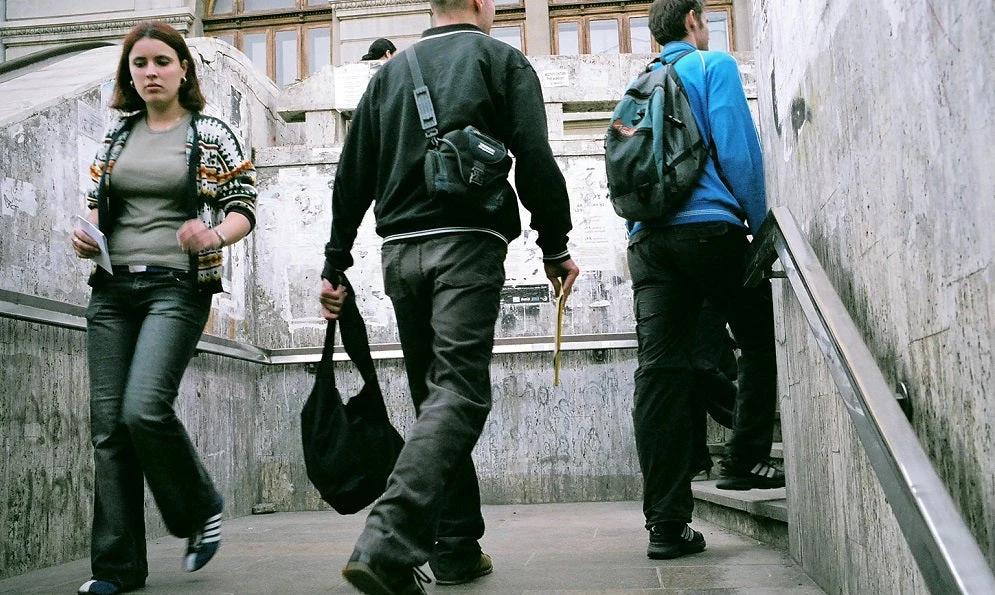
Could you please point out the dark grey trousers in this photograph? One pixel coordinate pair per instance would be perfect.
(446, 293)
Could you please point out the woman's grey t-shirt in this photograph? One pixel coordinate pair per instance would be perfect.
(149, 182)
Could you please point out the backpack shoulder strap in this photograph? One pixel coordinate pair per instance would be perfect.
(678, 58)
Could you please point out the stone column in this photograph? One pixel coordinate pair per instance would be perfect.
(537, 38)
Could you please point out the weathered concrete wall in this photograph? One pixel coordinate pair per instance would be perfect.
(46, 461)
(567, 443)
(877, 126)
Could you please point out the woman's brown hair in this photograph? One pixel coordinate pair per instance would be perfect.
(126, 98)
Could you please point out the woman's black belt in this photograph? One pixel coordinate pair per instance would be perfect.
(143, 268)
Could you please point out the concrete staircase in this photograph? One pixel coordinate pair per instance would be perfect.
(760, 514)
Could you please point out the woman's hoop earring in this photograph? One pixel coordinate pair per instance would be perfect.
(132, 83)
(183, 81)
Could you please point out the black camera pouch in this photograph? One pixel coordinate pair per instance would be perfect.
(468, 169)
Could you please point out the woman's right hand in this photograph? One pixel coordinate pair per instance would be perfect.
(83, 245)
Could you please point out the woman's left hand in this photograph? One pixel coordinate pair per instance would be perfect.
(193, 236)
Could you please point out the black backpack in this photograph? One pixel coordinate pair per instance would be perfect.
(654, 152)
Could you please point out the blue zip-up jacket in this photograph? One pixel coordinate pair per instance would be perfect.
(723, 118)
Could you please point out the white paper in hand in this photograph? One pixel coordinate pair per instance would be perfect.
(103, 258)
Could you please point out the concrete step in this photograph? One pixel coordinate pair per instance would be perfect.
(760, 514)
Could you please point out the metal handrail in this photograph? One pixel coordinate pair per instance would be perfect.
(941, 543)
(40, 310)
(35, 58)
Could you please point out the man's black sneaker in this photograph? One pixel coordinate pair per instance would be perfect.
(761, 476)
(477, 569)
(381, 579)
(665, 545)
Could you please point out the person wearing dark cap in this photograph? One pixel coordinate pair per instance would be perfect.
(381, 49)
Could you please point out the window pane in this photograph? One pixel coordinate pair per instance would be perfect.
(228, 38)
(221, 7)
(319, 49)
(604, 37)
(317, 2)
(255, 49)
(718, 31)
(251, 5)
(286, 57)
(567, 39)
(639, 33)
(510, 35)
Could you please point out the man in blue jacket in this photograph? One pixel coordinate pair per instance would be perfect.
(443, 270)
(699, 254)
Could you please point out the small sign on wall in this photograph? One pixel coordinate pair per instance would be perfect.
(555, 78)
(350, 84)
(525, 294)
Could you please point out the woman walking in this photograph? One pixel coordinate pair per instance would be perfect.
(171, 188)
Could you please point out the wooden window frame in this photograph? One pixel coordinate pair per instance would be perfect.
(725, 7)
(509, 15)
(584, 31)
(301, 18)
(584, 12)
(268, 32)
(306, 55)
(521, 32)
(298, 31)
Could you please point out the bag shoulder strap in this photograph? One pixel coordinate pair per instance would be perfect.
(354, 339)
(423, 100)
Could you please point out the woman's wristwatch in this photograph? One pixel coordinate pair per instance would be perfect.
(221, 236)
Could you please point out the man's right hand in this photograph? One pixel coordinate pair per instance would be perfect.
(332, 297)
(562, 275)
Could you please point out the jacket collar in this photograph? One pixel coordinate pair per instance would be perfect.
(451, 29)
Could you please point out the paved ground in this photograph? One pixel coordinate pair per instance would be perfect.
(575, 549)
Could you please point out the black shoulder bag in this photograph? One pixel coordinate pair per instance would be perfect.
(464, 168)
(349, 449)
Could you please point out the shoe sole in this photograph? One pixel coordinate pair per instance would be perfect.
(363, 578)
(745, 483)
(459, 581)
(670, 554)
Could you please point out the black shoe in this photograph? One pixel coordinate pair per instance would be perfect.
(761, 476)
(665, 545)
(478, 568)
(382, 579)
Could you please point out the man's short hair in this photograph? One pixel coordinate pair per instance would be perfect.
(667, 18)
(447, 6)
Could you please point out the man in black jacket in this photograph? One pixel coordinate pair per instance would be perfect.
(443, 270)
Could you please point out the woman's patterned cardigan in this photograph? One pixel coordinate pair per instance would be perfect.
(221, 181)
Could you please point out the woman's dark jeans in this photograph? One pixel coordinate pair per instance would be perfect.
(142, 330)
